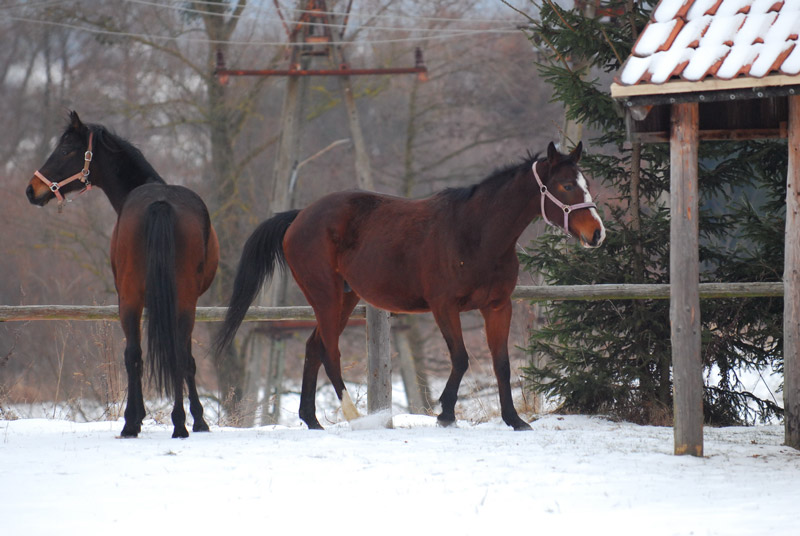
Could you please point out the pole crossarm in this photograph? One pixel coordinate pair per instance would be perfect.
(321, 72)
(24, 313)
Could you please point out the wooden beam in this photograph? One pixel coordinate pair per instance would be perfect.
(791, 281)
(25, 313)
(712, 84)
(684, 269)
(644, 291)
(714, 135)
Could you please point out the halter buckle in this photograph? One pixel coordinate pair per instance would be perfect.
(54, 187)
(88, 156)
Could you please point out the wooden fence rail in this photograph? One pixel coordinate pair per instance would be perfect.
(379, 392)
(24, 313)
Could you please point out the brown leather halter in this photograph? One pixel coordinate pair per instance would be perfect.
(82, 175)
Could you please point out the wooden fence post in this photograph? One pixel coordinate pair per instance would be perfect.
(791, 282)
(379, 364)
(684, 278)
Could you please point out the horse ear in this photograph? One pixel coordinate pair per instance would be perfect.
(575, 155)
(75, 122)
(552, 153)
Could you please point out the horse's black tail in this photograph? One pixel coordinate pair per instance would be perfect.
(263, 249)
(166, 359)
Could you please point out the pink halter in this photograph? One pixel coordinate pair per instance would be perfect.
(566, 208)
(83, 175)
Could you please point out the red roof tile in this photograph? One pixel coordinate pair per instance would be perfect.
(694, 40)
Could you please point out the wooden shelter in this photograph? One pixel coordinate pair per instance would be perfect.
(717, 70)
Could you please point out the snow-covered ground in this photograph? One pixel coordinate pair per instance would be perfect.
(571, 475)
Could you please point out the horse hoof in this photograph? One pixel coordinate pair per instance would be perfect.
(130, 432)
(314, 426)
(522, 426)
(180, 433)
(445, 422)
(200, 426)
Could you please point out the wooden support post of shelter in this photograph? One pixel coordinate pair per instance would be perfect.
(684, 279)
(791, 282)
(733, 98)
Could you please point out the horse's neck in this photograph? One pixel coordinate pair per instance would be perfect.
(502, 217)
(120, 178)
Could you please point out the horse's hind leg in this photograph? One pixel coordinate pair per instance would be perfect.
(184, 350)
(330, 330)
(134, 409)
(498, 322)
(314, 351)
(178, 413)
(195, 407)
(324, 349)
(449, 323)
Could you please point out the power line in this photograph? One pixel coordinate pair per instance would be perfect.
(383, 16)
(184, 9)
(99, 31)
(33, 5)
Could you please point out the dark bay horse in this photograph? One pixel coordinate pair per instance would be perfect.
(449, 253)
(164, 255)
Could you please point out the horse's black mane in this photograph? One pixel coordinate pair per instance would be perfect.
(117, 144)
(490, 184)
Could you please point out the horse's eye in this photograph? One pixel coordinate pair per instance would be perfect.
(568, 187)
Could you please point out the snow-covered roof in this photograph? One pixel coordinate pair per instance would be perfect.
(722, 40)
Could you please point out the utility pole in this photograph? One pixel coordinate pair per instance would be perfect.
(311, 37)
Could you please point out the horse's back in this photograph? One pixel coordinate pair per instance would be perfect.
(381, 245)
(398, 254)
(349, 221)
(196, 247)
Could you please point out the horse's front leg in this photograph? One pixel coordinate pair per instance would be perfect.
(449, 322)
(498, 322)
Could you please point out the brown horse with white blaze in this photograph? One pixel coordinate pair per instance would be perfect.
(449, 253)
(164, 255)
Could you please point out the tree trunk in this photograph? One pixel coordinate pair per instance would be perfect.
(411, 363)
(230, 366)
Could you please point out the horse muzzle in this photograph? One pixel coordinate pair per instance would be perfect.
(597, 238)
(39, 198)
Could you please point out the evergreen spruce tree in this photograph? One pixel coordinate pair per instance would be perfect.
(614, 357)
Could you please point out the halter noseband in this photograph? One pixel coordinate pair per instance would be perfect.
(565, 208)
(82, 175)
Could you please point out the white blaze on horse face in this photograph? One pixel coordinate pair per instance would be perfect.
(587, 198)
